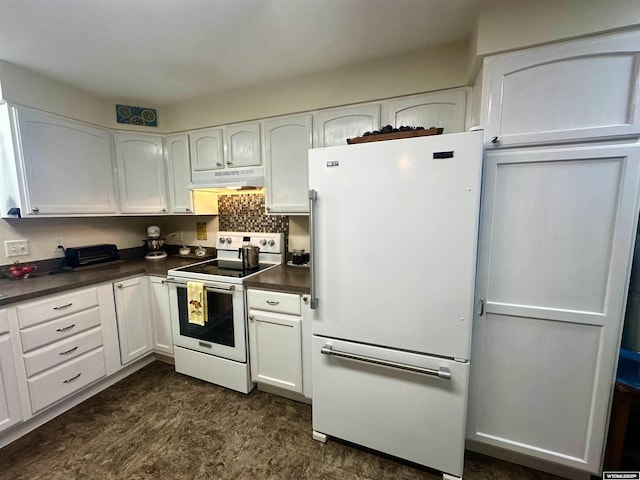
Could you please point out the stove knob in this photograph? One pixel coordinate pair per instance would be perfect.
(272, 243)
(263, 242)
(228, 240)
(221, 240)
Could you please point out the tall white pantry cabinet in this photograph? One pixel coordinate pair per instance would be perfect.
(561, 193)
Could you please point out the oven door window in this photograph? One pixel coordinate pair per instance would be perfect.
(218, 328)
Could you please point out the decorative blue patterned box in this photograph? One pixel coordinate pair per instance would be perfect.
(136, 115)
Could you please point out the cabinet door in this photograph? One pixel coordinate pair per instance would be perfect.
(582, 89)
(275, 349)
(242, 145)
(132, 312)
(206, 150)
(557, 234)
(160, 316)
(286, 144)
(333, 127)
(67, 165)
(176, 148)
(141, 173)
(444, 109)
(10, 410)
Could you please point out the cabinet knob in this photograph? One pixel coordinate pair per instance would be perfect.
(305, 299)
(218, 164)
(119, 285)
(268, 209)
(495, 140)
(229, 163)
(164, 209)
(187, 209)
(251, 317)
(35, 209)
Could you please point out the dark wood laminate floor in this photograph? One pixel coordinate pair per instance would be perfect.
(157, 424)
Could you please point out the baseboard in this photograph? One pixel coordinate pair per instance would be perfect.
(284, 393)
(527, 461)
(164, 358)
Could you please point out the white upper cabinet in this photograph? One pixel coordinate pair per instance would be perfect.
(572, 91)
(216, 149)
(176, 149)
(141, 173)
(444, 109)
(65, 165)
(206, 150)
(242, 145)
(333, 127)
(286, 144)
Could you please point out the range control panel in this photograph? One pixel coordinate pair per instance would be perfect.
(268, 242)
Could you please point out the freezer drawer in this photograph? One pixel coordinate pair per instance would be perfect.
(418, 416)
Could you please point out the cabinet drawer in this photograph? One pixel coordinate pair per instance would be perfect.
(59, 352)
(58, 306)
(274, 301)
(68, 378)
(55, 330)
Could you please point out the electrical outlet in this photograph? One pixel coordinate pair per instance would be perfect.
(16, 248)
(58, 244)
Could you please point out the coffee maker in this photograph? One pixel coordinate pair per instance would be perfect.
(154, 244)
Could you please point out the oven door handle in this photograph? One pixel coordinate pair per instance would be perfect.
(216, 286)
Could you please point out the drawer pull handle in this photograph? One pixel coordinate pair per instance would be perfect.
(67, 352)
(272, 302)
(64, 329)
(69, 380)
(61, 307)
(442, 372)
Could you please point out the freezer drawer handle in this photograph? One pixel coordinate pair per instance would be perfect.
(442, 372)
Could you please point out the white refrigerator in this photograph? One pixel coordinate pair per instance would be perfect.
(394, 229)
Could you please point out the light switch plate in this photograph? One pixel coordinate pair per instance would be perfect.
(16, 248)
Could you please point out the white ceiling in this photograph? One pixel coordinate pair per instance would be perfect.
(162, 51)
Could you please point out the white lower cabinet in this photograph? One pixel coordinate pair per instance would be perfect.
(10, 411)
(162, 340)
(134, 322)
(277, 350)
(62, 343)
(556, 243)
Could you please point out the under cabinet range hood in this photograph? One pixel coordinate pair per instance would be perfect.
(236, 178)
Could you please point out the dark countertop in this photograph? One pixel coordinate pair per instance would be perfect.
(41, 284)
(282, 278)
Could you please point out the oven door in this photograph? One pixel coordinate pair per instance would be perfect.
(223, 334)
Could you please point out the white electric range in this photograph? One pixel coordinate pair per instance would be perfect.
(217, 351)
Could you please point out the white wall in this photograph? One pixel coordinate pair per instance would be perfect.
(25, 87)
(416, 72)
(124, 232)
(505, 25)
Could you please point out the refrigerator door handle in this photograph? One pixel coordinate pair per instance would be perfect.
(313, 196)
(442, 372)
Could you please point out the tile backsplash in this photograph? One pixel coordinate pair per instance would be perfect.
(245, 213)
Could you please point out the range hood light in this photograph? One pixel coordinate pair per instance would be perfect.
(233, 187)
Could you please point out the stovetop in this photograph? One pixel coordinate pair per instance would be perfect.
(224, 268)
